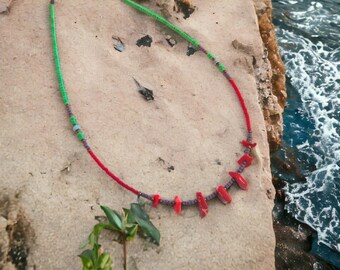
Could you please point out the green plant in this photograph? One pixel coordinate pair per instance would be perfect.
(126, 225)
(95, 259)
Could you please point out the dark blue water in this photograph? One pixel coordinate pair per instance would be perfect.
(309, 39)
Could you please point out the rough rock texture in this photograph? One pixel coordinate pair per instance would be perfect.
(193, 122)
(270, 76)
(5, 6)
(293, 240)
(15, 232)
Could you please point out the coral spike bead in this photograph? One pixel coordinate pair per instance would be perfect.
(245, 158)
(156, 199)
(248, 144)
(202, 204)
(242, 183)
(223, 195)
(178, 205)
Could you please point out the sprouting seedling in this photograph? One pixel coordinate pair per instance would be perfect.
(95, 258)
(126, 225)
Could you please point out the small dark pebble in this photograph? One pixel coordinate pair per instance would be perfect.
(185, 8)
(100, 218)
(172, 42)
(147, 94)
(119, 46)
(144, 41)
(171, 168)
(191, 50)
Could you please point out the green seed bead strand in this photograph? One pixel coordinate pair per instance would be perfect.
(81, 135)
(210, 56)
(56, 57)
(73, 120)
(162, 20)
(62, 88)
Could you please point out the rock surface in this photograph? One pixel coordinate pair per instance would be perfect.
(5, 6)
(194, 120)
(270, 76)
(16, 233)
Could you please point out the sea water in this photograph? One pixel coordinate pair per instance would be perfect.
(308, 34)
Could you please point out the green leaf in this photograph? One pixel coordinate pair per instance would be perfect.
(141, 201)
(84, 244)
(96, 231)
(150, 230)
(95, 253)
(129, 217)
(114, 218)
(105, 262)
(137, 211)
(144, 222)
(87, 259)
(131, 231)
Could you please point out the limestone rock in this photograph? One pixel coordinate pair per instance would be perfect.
(273, 95)
(5, 6)
(194, 120)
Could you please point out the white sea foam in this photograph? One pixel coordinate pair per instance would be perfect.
(313, 69)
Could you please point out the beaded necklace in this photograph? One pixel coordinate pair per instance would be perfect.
(200, 200)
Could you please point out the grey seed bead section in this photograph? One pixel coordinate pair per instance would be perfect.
(211, 196)
(226, 75)
(230, 183)
(242, 167)
(189, 202)
(69, 111)
(167, 202)
(146, 196)
(247, 150)
(250, 136)
(186, 203)
(202, 49)
(86, 145)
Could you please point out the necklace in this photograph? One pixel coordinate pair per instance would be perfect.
(201, 200)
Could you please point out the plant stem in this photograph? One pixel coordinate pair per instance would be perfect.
(124, 253)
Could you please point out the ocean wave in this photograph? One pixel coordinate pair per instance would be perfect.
(308, 37)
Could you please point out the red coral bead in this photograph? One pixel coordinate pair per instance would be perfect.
(178, 205)
(156, 199)
(248, 144)
(202, 204)
(248, 159)
(242, 183)
(223, 195)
